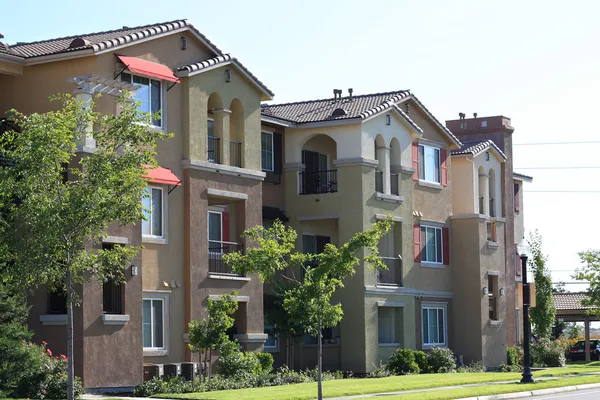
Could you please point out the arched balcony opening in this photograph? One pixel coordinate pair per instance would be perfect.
(381, 155)
(395, 166)
(492, 193)
(319, 175)
(483, 192)
(214, 121)
(236, 133)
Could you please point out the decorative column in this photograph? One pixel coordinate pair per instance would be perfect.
(86, 143)
(587, 338)
(383, 156)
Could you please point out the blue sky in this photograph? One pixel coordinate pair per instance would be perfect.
(536, 62)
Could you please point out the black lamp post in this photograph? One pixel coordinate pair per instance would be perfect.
(524, 250)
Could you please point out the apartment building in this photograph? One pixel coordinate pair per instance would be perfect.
(207, 191)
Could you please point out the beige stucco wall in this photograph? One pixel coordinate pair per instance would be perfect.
(398, 129)
(347, 138)
(520, 215)
(465, 184)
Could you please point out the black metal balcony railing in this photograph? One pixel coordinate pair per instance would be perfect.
(318, 182)
(216, 263)
(379, 181)
(395, 187)
(214, 153)
(393, 275)
(235, 154)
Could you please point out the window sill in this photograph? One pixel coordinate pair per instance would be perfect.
(492, 245)
(155, 353)
(424, 264)
(251, 337)
(228, 277)
(390, 198)
(115, 319)
(431, 346)
(495, 323)
(388, 344)
(154, 240)
(431, 185)
(53, 319)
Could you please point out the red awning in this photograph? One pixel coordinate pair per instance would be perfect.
(148, 68)
(162, 176)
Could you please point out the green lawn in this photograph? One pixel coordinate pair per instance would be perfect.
(495, 389)
(348, 387)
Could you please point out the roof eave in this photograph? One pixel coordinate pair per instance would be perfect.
(326, 123)
(521, 177)
(277, 121)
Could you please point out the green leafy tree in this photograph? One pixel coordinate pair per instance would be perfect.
(573, 331)
(211, 333)
(51, 227)
(543, 315)
(308, 300)
(590, 272)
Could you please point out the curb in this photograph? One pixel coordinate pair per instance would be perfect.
(531, 393)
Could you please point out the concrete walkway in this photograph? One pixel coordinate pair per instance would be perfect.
(372, 395)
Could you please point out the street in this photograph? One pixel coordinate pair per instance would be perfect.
(579, 395)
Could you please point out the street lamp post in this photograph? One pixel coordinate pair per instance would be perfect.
(524, 250)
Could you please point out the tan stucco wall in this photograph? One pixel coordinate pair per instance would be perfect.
(520, 215)
(464, 186)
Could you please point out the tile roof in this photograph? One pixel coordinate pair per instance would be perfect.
(477, 147)
(102, 40)
(217, 61)
(569, 301)
(522, 177)
(361, 106)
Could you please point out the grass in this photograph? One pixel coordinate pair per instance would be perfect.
(495, 389)
(349, 387)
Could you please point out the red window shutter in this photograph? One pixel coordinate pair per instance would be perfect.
(417, 242)
(444, 167)
(415, 160)
(517, 201)
(446, 245)
(225, 227)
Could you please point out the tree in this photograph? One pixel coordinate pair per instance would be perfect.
(573, 331)
(308, 300)
(50, 226)
(211, 333)
(590, 272)
(544, 313)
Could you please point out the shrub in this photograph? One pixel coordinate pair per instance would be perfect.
(402, 362)
(238, 363)
(440, 360)
(381, 371)
(548, 354)
(475, 366)
(265, 360)
(508, 368)
(421, 360)
(513, 356)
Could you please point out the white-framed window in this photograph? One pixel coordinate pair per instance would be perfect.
(153, 209)
(149, 95)
(266, 151)
(215, 231)
(431, 244)
(153, 324)
(386, 325)
(272, 342)
(429, 164)
(433, 325)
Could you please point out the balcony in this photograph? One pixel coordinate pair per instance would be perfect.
(395, 189)
(216, 264)
(235, 154)
(318, 182)
(379, 181)
(491, 231)
(393, 275)
(214, 150)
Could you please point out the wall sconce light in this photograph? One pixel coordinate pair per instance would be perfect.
(227, 75)
(501, 291)
(485, 290)
(134, 270)
(487, 156)
(388, 119)
(183, 43)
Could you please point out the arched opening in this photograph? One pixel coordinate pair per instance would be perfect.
(492, 193)
(395, 165)
(482, 191)
(319, 175)
(236, 133)
(214, 122)
(380, 156)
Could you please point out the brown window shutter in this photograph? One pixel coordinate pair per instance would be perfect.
(446, 245)
(225, 228)
(444, 167)
(415, 160)
(517, 200)
(417, 242)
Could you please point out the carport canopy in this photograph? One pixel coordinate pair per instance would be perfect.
(569, 309)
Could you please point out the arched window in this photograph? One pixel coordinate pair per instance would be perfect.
(395, 164)
(214, 122)
(236, 133)
(492, 193)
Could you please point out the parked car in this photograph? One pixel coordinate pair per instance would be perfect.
(577, 351)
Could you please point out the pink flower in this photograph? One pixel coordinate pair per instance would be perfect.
(44, 343)
(64, 357)
(49, 352)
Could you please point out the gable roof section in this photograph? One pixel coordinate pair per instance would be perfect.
(522, 177)
(361, 106)
(569, 301)
(219, 61)
(107, 40)
(475, 148)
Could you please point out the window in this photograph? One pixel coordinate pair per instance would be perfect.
(153, 211)
(152, 323)
(431, 239)
(149, 95)
(215, 226)
(386, 325)
(493, 296)
(433, 325)
(429, 163)
(330, 336)
(112, 297)
(57, 302)
(266, 149)
(272, 339)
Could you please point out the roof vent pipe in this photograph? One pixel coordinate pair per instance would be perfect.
(350, 94)
(1, 36)
(474, 115)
